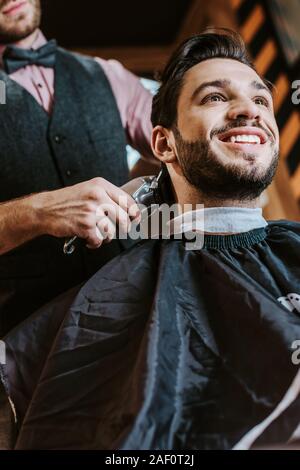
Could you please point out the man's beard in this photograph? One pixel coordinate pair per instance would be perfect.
(16, 32)
(203, 170)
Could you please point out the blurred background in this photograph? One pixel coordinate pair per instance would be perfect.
(142, 34)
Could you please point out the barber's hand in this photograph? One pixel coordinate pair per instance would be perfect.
(88, 210)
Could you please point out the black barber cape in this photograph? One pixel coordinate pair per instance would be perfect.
(165, 348)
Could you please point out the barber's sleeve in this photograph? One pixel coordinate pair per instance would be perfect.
(134, 103)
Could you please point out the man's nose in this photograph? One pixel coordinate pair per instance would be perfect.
(246, 109)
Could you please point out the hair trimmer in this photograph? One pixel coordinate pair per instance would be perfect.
(145, 190)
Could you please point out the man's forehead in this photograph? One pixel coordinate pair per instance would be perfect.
(232, 72)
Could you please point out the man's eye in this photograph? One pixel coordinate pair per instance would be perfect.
(261, 101)
(214, 97)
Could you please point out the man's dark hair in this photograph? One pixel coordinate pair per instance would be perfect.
(209, 45)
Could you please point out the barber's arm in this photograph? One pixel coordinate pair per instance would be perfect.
(85, 210)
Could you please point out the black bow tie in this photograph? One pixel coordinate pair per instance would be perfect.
(14, 58)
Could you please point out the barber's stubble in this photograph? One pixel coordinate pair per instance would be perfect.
(20, 26)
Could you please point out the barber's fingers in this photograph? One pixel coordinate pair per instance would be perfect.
(116, 214)
(104, 232)
(124, 200)
(107, 229)
(94, 238)
(107, 216)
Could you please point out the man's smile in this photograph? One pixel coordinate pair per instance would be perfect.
(245, 134)
(248, 138)
(14, 7)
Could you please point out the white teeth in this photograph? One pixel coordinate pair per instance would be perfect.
(250, 139)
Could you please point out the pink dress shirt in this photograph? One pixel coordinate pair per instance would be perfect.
(133, 100)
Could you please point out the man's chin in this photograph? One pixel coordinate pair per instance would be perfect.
(20, 27)
(247, 168)
(245, 162)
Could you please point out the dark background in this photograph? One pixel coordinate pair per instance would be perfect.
(89, 23)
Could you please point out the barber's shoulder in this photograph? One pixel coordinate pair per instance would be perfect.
(115, 68)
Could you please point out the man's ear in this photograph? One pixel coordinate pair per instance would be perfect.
(163, 144)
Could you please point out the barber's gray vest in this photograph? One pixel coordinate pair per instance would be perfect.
(82, 139)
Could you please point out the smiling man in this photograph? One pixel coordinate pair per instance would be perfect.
(216, 129)
(175, 348)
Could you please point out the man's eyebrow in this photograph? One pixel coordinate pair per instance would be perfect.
(260, 86)
(220, 83)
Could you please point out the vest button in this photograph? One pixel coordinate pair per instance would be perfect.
(57, 139)
(68, 172)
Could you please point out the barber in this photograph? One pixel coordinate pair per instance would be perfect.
(64, 130)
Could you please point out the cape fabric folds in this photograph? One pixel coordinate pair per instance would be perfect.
(164, 348)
